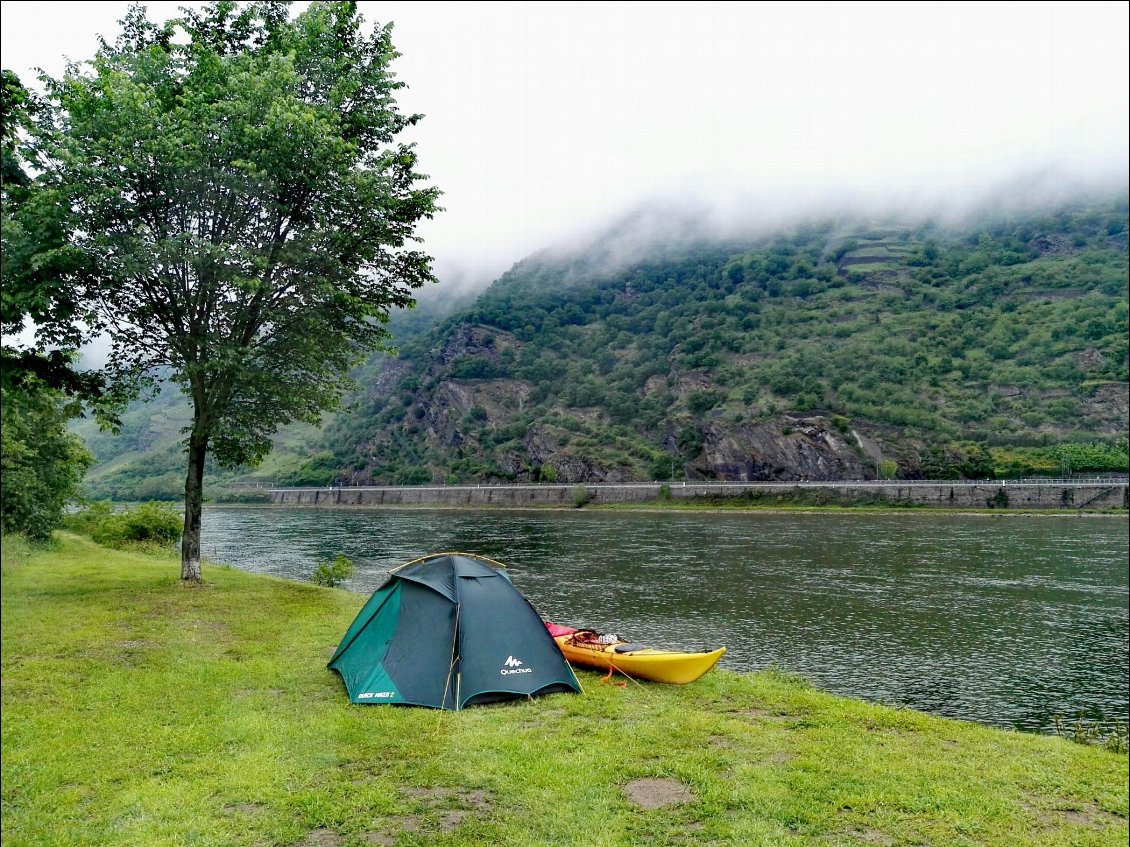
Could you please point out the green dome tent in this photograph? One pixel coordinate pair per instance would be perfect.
(447, 631)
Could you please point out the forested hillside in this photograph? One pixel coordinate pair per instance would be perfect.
(837, 349)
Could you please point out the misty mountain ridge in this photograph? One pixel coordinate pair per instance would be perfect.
(851, 346)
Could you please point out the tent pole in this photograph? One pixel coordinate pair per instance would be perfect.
(454, 659)
(452, 553)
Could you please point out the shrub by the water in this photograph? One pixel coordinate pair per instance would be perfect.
(89, 518)
(332, 574)
(151, 524)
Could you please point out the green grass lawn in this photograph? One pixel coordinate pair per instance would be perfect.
(137, 711)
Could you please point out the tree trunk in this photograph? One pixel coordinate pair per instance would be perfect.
(193, 501)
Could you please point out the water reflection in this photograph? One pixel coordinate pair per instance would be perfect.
(1003, 620)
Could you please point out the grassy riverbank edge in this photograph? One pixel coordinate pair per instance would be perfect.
(138, 711)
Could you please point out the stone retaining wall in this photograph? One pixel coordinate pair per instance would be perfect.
(955, 495)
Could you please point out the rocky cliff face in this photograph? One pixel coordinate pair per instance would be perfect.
(483, 422)
(1109, 407)
(789, 449)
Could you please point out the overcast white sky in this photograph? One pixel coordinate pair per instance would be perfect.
(545, 119)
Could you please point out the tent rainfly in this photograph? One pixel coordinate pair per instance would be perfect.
(447, 631)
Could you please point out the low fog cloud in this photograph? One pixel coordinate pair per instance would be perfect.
(559, 119)
(544, 123)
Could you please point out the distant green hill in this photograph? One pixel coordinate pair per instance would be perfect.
(145, 461)
(838, 349)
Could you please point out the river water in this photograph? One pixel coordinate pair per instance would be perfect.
(1010, 621)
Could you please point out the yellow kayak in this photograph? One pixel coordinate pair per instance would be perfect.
(585, 647)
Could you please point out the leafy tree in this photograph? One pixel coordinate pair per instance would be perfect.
(37, 261)
(240, 213)
(978, 463)
(888, 469)
(41, 463)
(700, 402)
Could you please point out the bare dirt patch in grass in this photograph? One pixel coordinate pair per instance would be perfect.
(445, 809)
(393, 828)
(657, 793)
(439, 795)
(132, 652)
(1086, 815)
(450, 821)
(322, 837)
(871, 836)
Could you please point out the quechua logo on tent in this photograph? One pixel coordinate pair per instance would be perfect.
(513, 666)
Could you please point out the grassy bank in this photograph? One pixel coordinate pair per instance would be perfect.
(137, 711)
